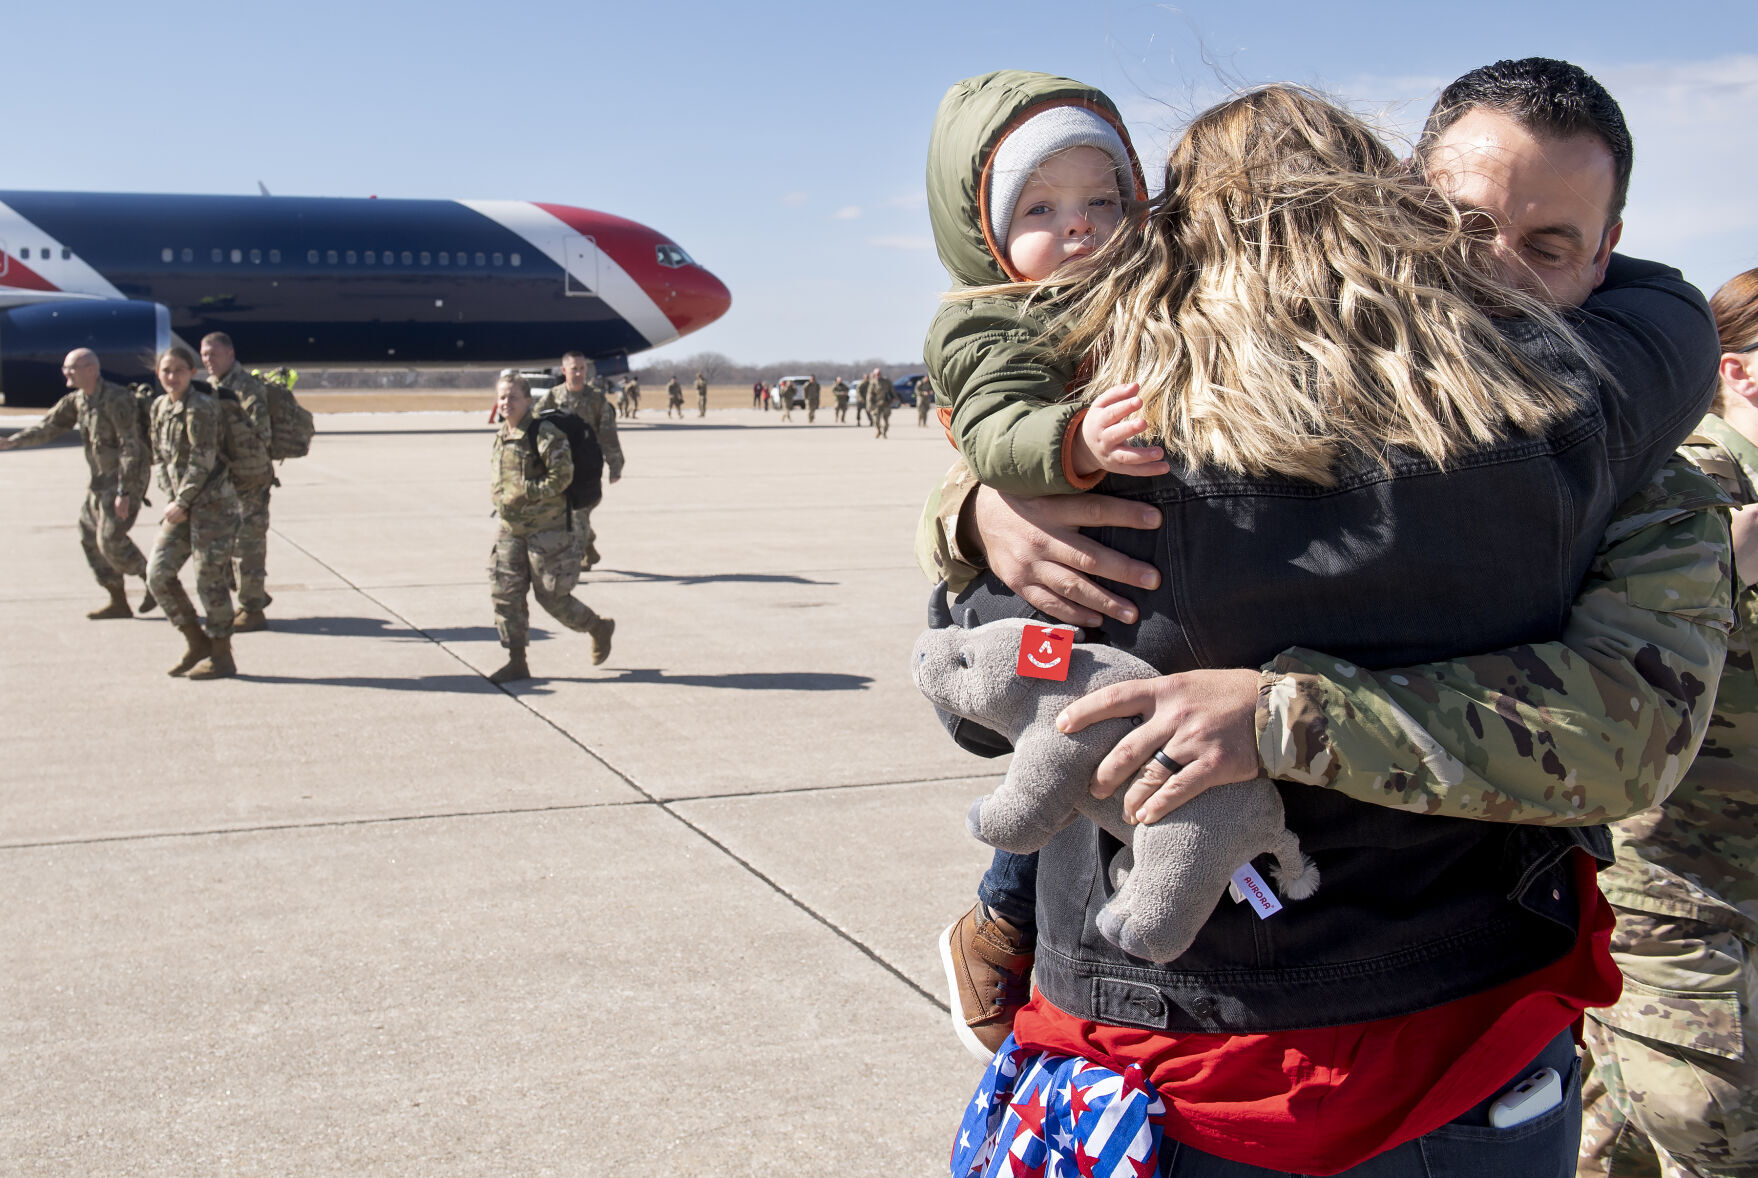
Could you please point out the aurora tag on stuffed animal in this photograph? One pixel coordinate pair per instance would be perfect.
(1177, 868)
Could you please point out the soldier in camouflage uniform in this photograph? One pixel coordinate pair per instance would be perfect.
(120, 463)
(1674, 1085)
(924, 400)
(701, 395)
(586, 401)
(674, 397)
(221, 361)
(814, 394)
(839, 391)
(784, 399)
(535, 550)
(878, 398)
(201, 518)
(632, 394)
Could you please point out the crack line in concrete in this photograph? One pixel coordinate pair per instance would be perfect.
(664, 807)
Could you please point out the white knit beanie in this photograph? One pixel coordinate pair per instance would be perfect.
(1036, 140)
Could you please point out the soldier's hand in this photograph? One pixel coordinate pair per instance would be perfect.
(616, 478)
(121, 505)
(1033, 543)
(176, 514)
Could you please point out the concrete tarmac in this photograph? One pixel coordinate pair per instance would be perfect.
(360, 912)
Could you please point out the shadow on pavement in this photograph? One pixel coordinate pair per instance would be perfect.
(715, 578)
(737, 681)
(383, 628)
(468, 684)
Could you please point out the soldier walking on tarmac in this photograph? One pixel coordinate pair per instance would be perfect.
(701, 395)
(924, 400)
(534, 551)
(784, 398)
(674, 397)
(879, 403)
(252, 550)
(586, 401)
(813, 395)
(839, 390)
(632, 394)
(120, 465)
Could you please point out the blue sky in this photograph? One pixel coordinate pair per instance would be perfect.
(783, 144)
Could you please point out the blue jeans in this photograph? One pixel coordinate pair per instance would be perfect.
(1467, 1147)
(1010, 887)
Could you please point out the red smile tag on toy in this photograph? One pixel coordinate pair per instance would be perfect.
(1044, 652)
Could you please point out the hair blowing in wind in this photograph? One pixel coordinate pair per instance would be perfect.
(1296, 293)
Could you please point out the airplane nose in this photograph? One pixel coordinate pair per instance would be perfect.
(692, 298)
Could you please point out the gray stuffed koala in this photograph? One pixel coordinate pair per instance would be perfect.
(1178, 867)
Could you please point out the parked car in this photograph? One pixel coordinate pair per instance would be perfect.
(793, 388)
(905, 388)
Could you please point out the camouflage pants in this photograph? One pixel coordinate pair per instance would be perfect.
(922, 407)
(585, 535)
(702, 405)
(252, 550)
(208, 535)
(104, 536)
(545, 563)
(1673, 1092)
(881, 416)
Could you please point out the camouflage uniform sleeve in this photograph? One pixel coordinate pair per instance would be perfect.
(203, 424)
(606, 429)
(254, 399)
(938, 554)
(1586, 730)
(558, 465)
(57, 421)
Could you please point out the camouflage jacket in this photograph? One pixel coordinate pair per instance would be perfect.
(530, 496)
(253, 398)
(1696, 854)
(186, 447)
(109, 427)
(1580, 731)
(701, 386)
(813, 392)
(594, 408)
(673, 390)
(839, 390)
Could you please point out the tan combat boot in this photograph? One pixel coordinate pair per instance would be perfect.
(248, 621)
(118, 607)
(515, 668)
(988, 964)
(218, 664)
(199, 648)
(600, 632)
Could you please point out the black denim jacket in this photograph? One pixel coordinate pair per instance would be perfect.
(1386, 569)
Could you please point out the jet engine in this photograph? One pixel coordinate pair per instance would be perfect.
(35, 339)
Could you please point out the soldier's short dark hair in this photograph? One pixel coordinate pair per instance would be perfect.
(1548, 97)
(566, 356)
(218, 337)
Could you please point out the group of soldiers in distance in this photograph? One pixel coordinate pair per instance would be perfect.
(213, 444)
(874, 395)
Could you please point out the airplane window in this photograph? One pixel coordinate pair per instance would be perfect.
(671, 255)
(237, 256)
(218, 253)
(480, 260)
(66, 253)
(24, 254)
(515, 259)
(371, 258)
(165, 254)
(389, 257)
(311, 256)
(351, 257)
(408, 258)
(445, 259)
(497, 259)
(274, 255)
(188, 254)
(330, 257)
(255, 257)
(426, 258)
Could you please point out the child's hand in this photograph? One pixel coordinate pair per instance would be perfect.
(1103, 442)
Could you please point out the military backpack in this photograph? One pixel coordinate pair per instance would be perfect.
(290, 423)
(587, 486)
(246, 456)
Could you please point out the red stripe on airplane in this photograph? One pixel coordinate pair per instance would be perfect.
(630, 245)
(21, 277)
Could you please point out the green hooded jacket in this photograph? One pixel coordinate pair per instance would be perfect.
(987, 358)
